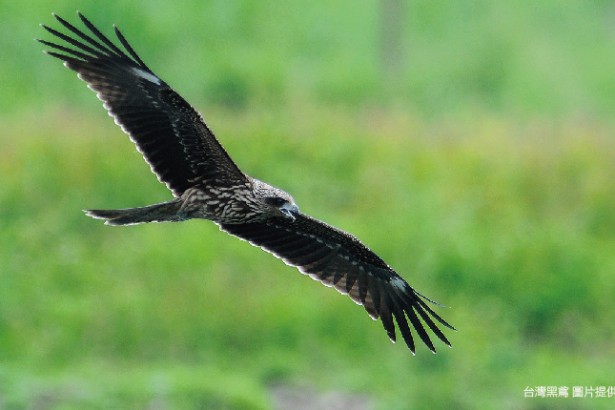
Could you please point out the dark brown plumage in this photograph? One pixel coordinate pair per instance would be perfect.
(206, 183)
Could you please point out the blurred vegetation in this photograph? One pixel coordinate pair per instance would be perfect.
(481, 166)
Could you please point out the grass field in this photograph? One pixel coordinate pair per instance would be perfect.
(490, 191)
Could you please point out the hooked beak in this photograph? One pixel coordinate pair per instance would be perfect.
(289, 211)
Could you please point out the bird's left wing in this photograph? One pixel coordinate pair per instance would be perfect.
(338, 259)
(171, 135)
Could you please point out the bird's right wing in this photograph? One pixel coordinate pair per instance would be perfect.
(338, 259)
(171, 135)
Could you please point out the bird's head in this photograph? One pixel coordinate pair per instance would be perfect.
(274, 201)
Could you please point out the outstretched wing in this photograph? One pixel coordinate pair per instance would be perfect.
(170, 134)
(338, 259)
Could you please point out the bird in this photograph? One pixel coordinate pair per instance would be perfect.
(205, 182)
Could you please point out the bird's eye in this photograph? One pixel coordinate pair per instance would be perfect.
(275, 201)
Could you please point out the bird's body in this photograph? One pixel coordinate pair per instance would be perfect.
(207, 184)
(253, 201)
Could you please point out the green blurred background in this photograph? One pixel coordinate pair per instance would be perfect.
(469, 143)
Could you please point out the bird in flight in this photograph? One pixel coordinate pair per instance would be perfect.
(205, 182)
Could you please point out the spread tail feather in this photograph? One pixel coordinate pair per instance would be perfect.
(163, 212)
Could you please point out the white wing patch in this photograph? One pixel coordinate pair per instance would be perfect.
(398, 283)
(145, 75)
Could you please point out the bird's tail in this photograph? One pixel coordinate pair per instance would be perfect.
(163, 212)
